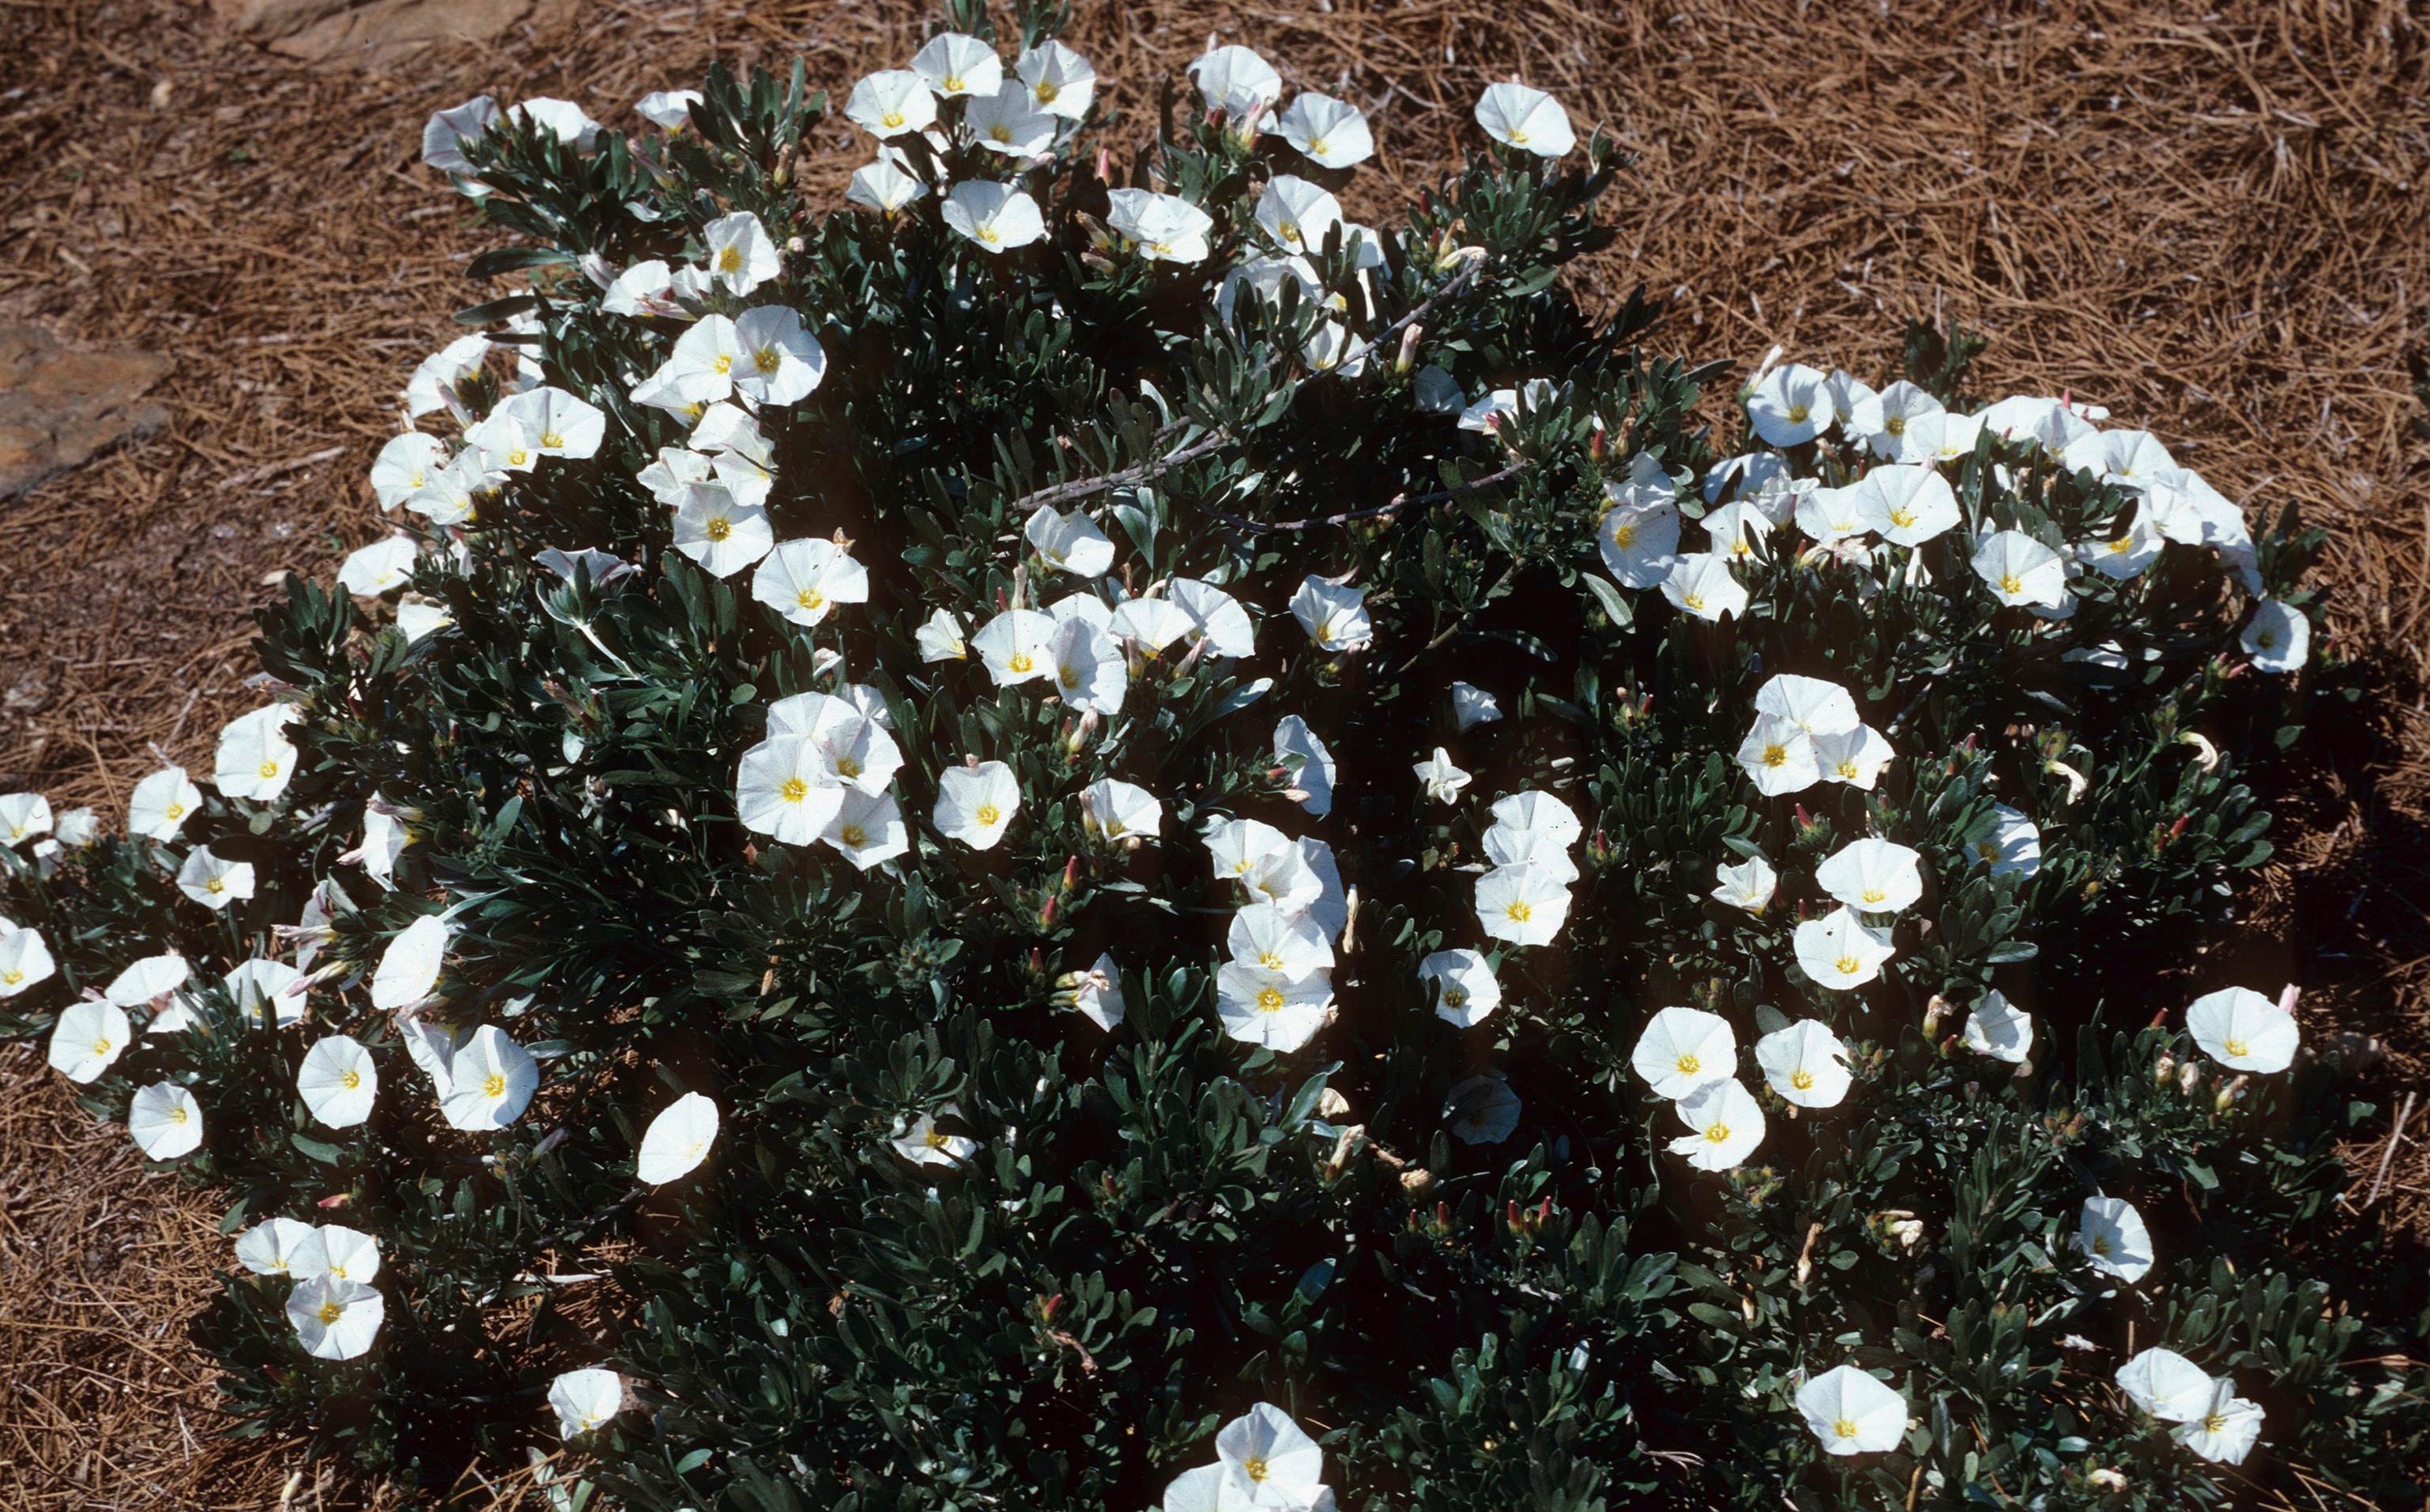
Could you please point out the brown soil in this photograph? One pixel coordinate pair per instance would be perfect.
(2210, 217)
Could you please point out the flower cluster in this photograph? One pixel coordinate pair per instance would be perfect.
(725, 866)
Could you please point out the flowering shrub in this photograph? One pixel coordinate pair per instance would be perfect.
(1077, 836)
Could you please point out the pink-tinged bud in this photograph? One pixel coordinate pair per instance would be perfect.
(1047, 915)
(337, 1200)
(1071, 874)
(1409, 354)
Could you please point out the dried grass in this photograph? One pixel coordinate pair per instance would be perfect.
(2210, 217)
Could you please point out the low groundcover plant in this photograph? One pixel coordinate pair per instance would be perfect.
(1078, 834)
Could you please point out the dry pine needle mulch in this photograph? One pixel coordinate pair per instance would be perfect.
(2212, 217)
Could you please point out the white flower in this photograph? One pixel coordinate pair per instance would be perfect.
(1152, 623)
(562, 119)
(1854, 404)
(1852, 1412)
(338, 1081)
(1009, 121)
(1270, 938)
(1089, 670)
(1332, 132)
(1440, 779)
(1071, 542)
(2126, 554)
(1854, 757)
(719, 531)
(2166, 1385)
(1940, 437)
(2014, 846)
(1733, 530)
(254, 758)
(1901, 404)
(1239, 846)
(271, 1247)
(25, 959)
(699, 370)
(803, 580)
(1285, 879)
(409, 967)
(780, 362)
(88, 1038)
(1779, 756)
(1536, 812)
(1521, 904)
(2021, 569)
(1482, 1109)
(2278, 638)
(996, 217)
(1811, 704)
(890, 104)
(339, 1252)
(214, 881)
(1267, 1461)
(2039, 421)
(556, 423)
(1120, 810)
(956, 64)
(445, 135)
(1531, 119)
(1729, 1125)
(1790, 403)
(79, 826)
(1296, 213)
(1017, 646)
(149, 980)
(884, 186)
(1334, 616)
(404, 464)
(1164, 227)
(437, 378)
(1221, 621)
(1805, 1064)
(1684, 1050)
(1840, 951)
(1096, 994)
(1236, 80)
(1907, 504)
(868, 829)
(166, 1122)
(974, 804)
(1873, 875)
(1297, 746)
(740, 256)
(2130, 458)
(2243, 1031)
(667, 109)
(1472, 705)
(1466, 990)
(939, 638)
(1263, 1006)
(2112, 1235)
(1999, 1029)
(2227, 1428)
(924, 1144)
(1640, 543)
(1700, 584)
(787, 790)
(489, 1082)
(585, 1401)
(336, 1320)
(677, 1139)
(1749, 885)
(161, 803)
(1060, 81)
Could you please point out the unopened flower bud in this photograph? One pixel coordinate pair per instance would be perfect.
(1418, 1182)
(1409, 354)
(2229, 1093)
(2189, 1077)
(2205, 753)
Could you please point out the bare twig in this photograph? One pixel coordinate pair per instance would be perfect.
(1399, 501)
(2395, 1137)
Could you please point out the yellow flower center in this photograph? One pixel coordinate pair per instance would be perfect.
(2101, 1244)
(2213, 1423)
(1797, 414)
(1717, 1133)
(811, 598)
(1848, 771)
(1000, 133)
(215, 886)
(2237, 1047)
(1518, 138)
(854, 836)
(1895, 425)
(1802, 1079)
(768, 360)
(1775, 755)
(2265, 640)
(1695, 602)
(549, 438)
(519, 457)
(1255, 1469)
(12, 977)
(1623, 535)
(269, 769)
(1019, 661)
(174, 811)
(101, 1047)
(990, 235)
(331, 1311)
(892, 119)
(952, 83)
(1272, 961)
(1520, 911)
(1902, 517)
(1845, 1428)
(795, 790)
(847, 767)
(1070, 676)
(1689, 1064)
(177, 1113)
(494, 1085)
(1874, 895)
(2009, 584)
(1269, 1000)
(990, 815)
(1289, 231)
(1847, 964)
(723, 363)
(1454, 997)
(730, 261)
(1046, 91)
(2121, 546)
(934, 1139)
(351, 1080)
(719, 529)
